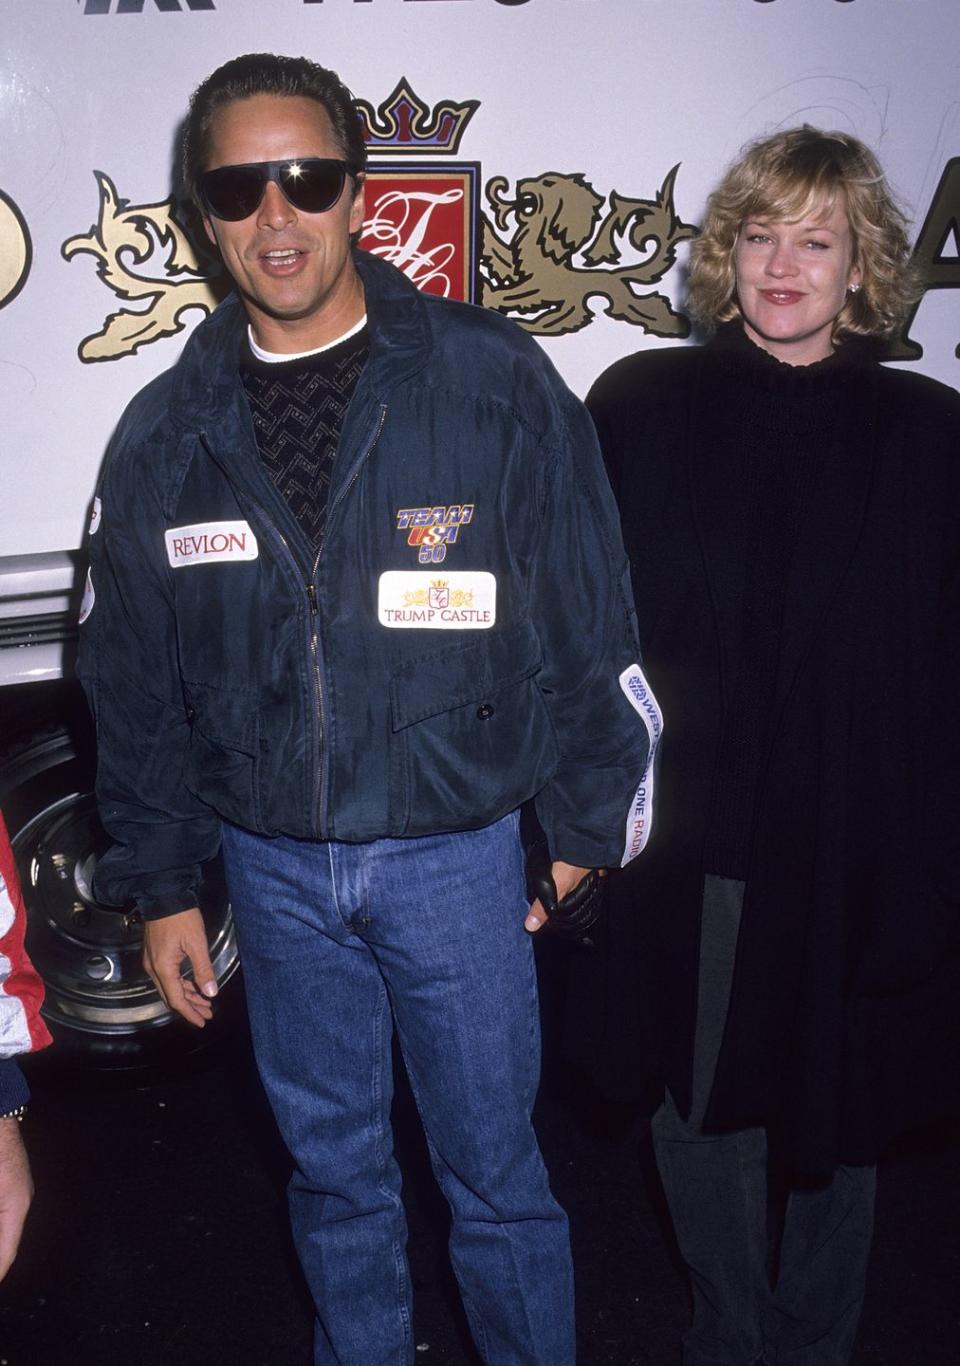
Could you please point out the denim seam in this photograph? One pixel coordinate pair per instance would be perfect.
(376, 1118)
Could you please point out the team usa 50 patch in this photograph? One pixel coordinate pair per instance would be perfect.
(431, 530)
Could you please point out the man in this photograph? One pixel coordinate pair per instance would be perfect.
(21, 1031)
(357, 592)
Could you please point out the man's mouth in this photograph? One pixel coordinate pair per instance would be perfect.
(282, 260)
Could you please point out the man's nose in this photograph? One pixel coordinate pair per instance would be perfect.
(275, 209)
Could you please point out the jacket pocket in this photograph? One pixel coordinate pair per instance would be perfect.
(223, 759)
(471, 738)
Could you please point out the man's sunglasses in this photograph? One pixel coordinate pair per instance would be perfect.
(311, 184)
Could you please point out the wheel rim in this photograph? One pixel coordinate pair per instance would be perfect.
(88, 954)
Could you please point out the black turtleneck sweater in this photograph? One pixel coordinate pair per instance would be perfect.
(772, 426)
(794, 553)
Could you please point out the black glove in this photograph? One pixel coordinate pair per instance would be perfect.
(571, 916)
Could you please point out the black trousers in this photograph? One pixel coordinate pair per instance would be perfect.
(717, 1189)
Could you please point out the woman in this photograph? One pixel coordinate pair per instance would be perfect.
(790, 509)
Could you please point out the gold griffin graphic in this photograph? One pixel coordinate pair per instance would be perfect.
(419, 597)
(533, 274)
(134, 235)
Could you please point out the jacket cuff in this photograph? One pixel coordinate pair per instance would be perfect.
(14, 1090)
(158, 908)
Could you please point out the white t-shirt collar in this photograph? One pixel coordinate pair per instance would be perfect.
(277, 357)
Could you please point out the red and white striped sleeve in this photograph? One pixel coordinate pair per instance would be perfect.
(22, 1029)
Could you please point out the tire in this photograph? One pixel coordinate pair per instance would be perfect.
(101, 1007)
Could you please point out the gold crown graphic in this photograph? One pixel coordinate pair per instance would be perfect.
(404, 125)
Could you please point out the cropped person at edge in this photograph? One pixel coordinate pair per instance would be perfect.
(22, 1030)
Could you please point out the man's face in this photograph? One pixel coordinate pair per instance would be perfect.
(293, 269)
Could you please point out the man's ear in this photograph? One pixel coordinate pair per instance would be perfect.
(208, 229)
(358, 209)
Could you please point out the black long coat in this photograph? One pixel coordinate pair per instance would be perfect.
(843, 1022)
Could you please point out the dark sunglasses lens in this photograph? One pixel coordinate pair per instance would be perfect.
(232, 192)
(314, 184)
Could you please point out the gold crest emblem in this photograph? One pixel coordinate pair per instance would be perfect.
(439, 594)
(15, 250)
(554, 262)
(565, 250)
(124, 239)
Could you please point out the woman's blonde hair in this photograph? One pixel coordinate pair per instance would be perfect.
(785, 177)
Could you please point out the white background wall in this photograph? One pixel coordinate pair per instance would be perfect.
(619, 90)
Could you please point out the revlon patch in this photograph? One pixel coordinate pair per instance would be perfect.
(464, 601)
(210, 542)
(640, 816)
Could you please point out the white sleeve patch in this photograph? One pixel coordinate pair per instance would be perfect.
(88, 599)
(640, 816)
(95, 514)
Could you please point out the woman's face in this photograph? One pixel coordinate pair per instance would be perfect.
(792, 281)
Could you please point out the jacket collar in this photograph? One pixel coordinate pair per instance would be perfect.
(207, 374)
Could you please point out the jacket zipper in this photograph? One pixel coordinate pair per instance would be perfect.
(310, 585)
(319, 784)
(357, 465)
(320, 789)
(309, 582)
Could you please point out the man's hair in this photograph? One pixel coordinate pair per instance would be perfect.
(787, 177)
(264, 73)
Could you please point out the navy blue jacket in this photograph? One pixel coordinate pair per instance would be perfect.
(233, 677)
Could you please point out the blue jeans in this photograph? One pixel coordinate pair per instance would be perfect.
(342, 943)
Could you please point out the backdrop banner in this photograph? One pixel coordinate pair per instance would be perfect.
(546, 158)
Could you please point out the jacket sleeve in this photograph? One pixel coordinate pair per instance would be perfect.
(128, 667)
(14, 1090)
(22, 1029)
(597, 809)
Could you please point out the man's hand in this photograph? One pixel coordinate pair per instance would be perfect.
(166, 943)
(566, 876)
(16, 1191)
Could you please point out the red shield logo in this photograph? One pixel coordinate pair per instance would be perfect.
(423, 214)
(425, 220)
